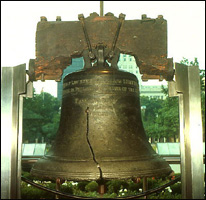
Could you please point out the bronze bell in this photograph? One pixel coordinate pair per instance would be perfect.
(101, 134)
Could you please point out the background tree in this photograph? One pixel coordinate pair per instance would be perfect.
(41, 117)
(168, 117)
(150, 113)
(161, 117)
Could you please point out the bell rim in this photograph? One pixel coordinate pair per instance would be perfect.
(87, 170)
(89, 176)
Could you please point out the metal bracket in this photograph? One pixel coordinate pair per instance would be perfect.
(13, 89)
(187, 88)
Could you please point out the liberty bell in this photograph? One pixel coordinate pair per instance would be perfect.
(101, 134)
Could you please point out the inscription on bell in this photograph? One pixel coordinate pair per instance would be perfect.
(116, 85)
(98, 81)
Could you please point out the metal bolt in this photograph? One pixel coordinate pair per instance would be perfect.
(161, 78)
(94, 14)
(91, 55)
(109, 14)
(144, 16)
(80, 16)
(58, 18)
(42, 77)
(87, 110)
(43, 18)
(122, 16)
(111, 54)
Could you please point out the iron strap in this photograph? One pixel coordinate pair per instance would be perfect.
(91, 54)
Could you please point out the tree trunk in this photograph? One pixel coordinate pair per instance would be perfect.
(171, 139)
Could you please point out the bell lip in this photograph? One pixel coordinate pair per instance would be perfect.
(110, 170)
(82, 176)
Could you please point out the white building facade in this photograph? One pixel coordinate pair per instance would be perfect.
(128, 63)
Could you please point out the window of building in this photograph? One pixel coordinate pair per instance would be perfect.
(124, 59)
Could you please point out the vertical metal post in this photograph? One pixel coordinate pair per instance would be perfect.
(101, 8)
(101, 189)
(58, 184)
(187, 87)
(13, 86)
(145, 186)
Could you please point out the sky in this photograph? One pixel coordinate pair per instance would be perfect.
(185, 21)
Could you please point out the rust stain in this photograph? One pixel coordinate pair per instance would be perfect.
(102, 19)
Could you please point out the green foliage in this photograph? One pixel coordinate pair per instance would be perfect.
(81, 185)
(153, 183)
(168, 117)
(41, 117)
(161, 117)
(176, 188)
(30, 192)
(92, 186)
(165, 195)
(114, 186)
(134, 186)
(112, 195)
(149, 116)
(67, 189)
(185, 61)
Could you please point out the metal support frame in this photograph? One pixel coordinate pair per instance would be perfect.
(187, 88)
(13, 88)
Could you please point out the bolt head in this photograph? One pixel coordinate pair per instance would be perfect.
(122, 16)
(80, 16)
(160, 17)
(91, 55)
(111, 54)
(58, 18)
(144, 16)
(43, 18)
(109, 14)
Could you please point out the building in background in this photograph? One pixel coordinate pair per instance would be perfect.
(153, 91)
(77, 64)
(128, 63)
